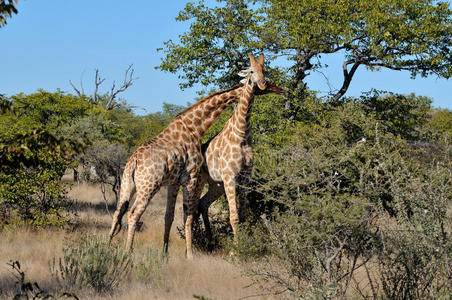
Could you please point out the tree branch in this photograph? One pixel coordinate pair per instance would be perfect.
(97, 83)
(75, 89)
(128, 81)
(348, 75)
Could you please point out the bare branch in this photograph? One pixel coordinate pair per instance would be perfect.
(75, 89)
(348, 75)
(97, 83)
(128, 81)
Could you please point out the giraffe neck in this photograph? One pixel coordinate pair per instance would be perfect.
(200, 116)
(241, 118)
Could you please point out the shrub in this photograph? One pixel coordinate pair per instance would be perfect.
(91, 262)
(220, 227)
(32, 196)
(413, 261)
(252, 242)
(358, 187)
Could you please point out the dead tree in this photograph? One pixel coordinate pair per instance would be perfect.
(111, 96)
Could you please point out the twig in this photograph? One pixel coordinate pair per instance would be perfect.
(102, 186)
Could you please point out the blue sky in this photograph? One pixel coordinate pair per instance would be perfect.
(52, 41)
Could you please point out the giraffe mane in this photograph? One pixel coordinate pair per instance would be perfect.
(209, 97)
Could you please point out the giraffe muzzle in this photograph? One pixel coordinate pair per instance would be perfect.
(262, 84)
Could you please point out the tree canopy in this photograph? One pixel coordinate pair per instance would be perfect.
(408, 35)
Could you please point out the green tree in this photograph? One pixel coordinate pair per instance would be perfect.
(30, 125)
(34, 155)
(213, 53)
(406, 35)
(441, 121)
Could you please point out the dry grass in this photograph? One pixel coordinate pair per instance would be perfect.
(207, 275)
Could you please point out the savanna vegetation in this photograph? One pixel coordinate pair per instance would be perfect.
(350, 197)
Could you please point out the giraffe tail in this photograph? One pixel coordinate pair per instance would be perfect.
(126, 193)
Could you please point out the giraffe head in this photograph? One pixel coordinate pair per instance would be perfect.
(255, 73)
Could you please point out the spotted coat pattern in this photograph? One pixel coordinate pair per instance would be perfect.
(172, 158)
(229, 158)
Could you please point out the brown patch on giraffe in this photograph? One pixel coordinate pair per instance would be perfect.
(197, 122)
(219, 144)
(215, 114)
(189, 115)
(235, 154)
(185, 137)
(233, 139)
(226, 155)
(227, 149)
(234, 166)
(162, 155)
(226, 178)
(147, 155)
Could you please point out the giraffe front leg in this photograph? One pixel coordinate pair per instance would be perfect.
(243, 182)
(242, 193)
(230, 189)
(169, 214)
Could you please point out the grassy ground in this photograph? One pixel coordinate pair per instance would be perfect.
(210, 276)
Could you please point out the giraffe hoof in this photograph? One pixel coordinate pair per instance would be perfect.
(189, 256)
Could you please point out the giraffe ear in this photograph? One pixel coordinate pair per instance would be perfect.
(244, 73)
(261, 58)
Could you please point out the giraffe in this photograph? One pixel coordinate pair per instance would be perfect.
(174, 158)
(229, 157)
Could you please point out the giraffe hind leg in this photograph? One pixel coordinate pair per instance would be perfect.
(118, 225)
(120, 211)
(169, 214)
(214, 192)
(191, 197)
(144, 196)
